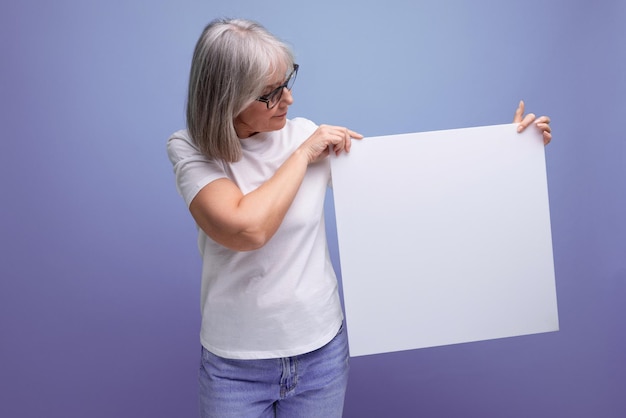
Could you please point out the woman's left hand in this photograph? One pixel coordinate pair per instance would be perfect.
(542, 122)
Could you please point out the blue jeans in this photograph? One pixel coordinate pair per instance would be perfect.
(308, 385)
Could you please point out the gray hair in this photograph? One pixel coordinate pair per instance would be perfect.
(231, 63)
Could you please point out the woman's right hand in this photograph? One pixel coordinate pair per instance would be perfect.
(317, 146)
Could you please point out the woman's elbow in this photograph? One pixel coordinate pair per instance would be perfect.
(243, 240)
(250, 243)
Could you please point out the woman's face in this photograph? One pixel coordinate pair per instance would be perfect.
(258, 118)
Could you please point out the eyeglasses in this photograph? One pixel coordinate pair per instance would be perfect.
(272, 98)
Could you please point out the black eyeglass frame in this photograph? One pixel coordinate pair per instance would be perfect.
(276, 94)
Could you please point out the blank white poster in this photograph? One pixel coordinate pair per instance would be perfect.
(444, 237)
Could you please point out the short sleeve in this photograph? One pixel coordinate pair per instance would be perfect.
(192, 169)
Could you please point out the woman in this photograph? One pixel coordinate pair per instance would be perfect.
(272, 337)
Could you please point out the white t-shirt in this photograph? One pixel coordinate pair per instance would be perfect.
(282, 299)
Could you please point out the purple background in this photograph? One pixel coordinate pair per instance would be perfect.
(99, 270)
